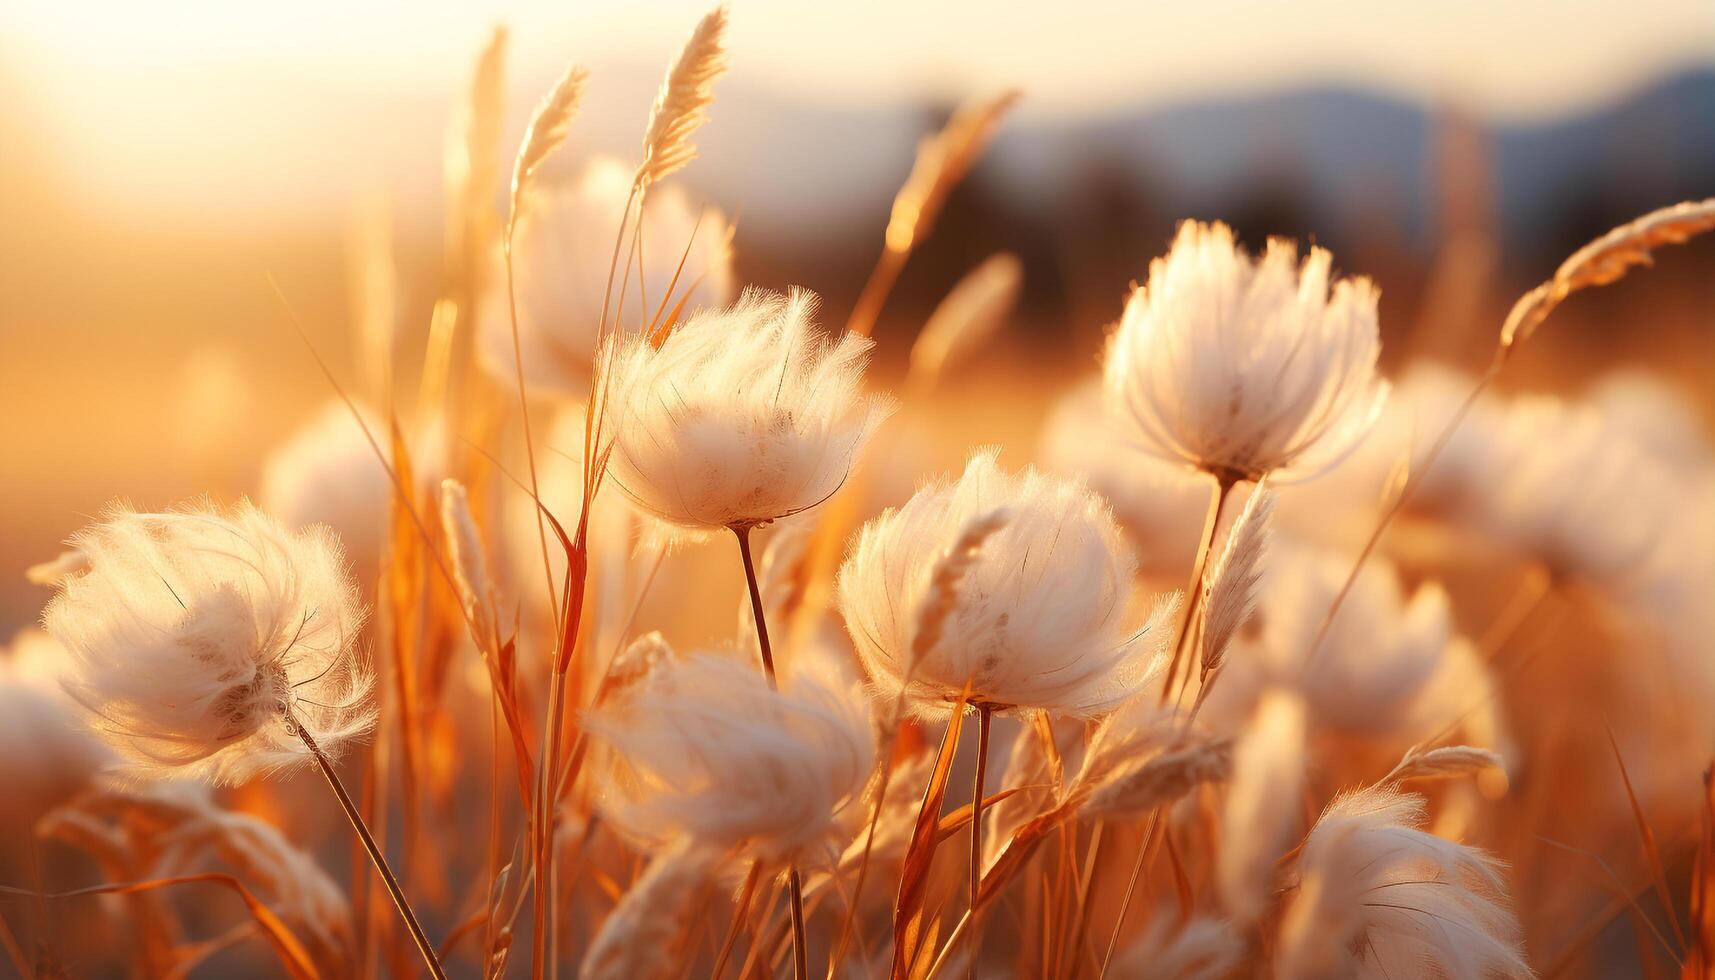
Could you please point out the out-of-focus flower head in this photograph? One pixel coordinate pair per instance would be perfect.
(560, 254)
(1018, 585)
(740, 416)
(712, 753)
(1242, 366)
(1160, 504)
(202, 640)
(1375, 896)
(327, 472)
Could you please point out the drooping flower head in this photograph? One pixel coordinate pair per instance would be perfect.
(740, 416)
(712, 753)
(202, 640)
(560, 255)
(1242, 366)
(1036, 615)
(1376, 896)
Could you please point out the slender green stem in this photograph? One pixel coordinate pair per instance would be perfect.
(375, 856)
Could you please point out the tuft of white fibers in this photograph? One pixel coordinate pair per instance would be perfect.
(1198, 949)
(711, 753)
(1573, 491)
(1038, 615)
(741, 416)
(1376, 896)
(327, 472)
(560, 253)
(1243, 366)
(639, 939)
(1261, 812)
(1379, 660)
(201, 640)
(49, 751)
(1159, 503)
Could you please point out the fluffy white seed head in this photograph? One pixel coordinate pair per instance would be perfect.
(1042, 617)
(49, 751)
(741, 416)
(1245, 366)
(1261, 813)
(712, 754)
(560, 254)
(1376, 896)
(1576, 493)
(1200, 949)
(1158, 502)
(201, 639)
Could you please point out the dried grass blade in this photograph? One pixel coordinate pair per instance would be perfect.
(1646, 839)
(914, 880)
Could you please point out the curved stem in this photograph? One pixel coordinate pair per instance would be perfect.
(375, 856)
(1224, 483)
(1411, 485)
(985, 714)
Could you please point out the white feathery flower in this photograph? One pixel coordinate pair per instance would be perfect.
(1040, 616)
(1574, 492)
(713, 754)
(1242, 366)
(560, 254)
(1382, 652)
(1654, 414)
(1376, 896)
(327, 472)
(1160, 504)
(48, 750)
(741, 416)
(1261, 811)
(201, 641)
(1199, 949)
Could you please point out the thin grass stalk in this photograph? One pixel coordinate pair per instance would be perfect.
(985, 715)
(1224, 483)
(376, 858)
(1081, 925)
(742, 532)
(1130, 890)
(800, 942)
(747, 894)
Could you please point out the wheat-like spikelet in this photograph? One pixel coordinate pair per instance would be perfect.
(638, 940)
(1446, 762)
(1230, 597)
(683, 103)
(1138, 786)
(469, 564)
(1607, 260)
(471, 161)
(968, 316)
(1262, 803)
(548, 127)
(942, 161)
(943, 594)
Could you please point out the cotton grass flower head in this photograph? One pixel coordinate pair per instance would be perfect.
(740, 416)
(1037, 615)
(1574, 492)
(712, 753)
(561, 249)
(48, 750)
(1242, 366)
(1376, 896)
(201, 640)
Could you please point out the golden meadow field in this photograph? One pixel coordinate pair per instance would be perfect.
(623, 619)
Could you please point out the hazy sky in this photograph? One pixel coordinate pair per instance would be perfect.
(1512, 56)
(232, 109)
